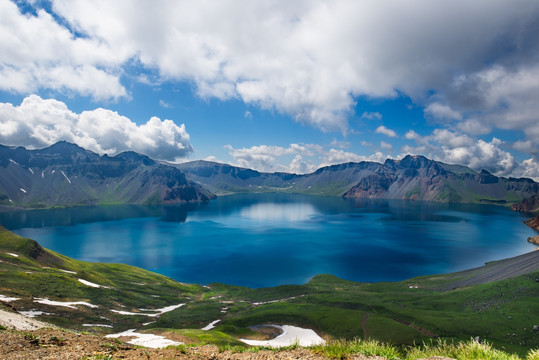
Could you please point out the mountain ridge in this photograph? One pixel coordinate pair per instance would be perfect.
(65, 174)
(414, 177)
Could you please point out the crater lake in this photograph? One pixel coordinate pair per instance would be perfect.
(261, 240)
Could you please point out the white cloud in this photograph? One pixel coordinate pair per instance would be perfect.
(444, 112)
(38, 123)
(299, 166)
(38, 53)
(451, 139)
(530, 169)
(386, 146)
(371, 116)
(164, 104)
(310, 60)
(306, 158)
(456, 148)
(387, 132)
(412, 135)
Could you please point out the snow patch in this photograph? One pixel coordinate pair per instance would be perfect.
(13, 161)
(8, 298)
(157, 312)
(32, 171)
(63, 173)
(43, 174)
(13, 254)
(33, 313)
(290, 336)
(273, 301)
(68, 304)
(23, 190)
(147, 340)
(67, 271)
(91, 284)
(97, 325)
(210, 325)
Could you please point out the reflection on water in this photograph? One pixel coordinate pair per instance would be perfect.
(273, 212)
(270, 239)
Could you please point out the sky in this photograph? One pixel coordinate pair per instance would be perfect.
(276, 85)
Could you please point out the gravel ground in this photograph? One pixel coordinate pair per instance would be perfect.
(55, 344)
(499, 270)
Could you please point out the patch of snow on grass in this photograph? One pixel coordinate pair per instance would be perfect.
(68, 271)
(32, 171)
(65, 304)
(210, 325)
(23, 190)
(156, 312)
(8, 298)
(273, 301)
(98, 325)
(33, 313)
(147, 340)
(13, 254)
(91, 284)
(13, 161)
(290, 336)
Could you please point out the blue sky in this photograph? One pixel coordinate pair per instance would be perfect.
(276, 85)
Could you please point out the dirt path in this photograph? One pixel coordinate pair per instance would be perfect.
(364, 326)
(16, 321)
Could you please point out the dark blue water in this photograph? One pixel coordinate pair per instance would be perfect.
(272, 239)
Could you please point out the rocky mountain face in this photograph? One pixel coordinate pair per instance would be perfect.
(65, 174)
(413, 177)
(527, 205)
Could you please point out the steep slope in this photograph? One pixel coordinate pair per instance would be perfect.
(530, 204)
(413, 177)
(65, 174)
(418, 178)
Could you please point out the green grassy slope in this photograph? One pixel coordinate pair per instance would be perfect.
(503, 312)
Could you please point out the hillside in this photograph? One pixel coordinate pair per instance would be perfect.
(413, 177)
(65, 174)
(529, 204)
(496, 302)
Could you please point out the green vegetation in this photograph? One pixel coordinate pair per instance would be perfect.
(339, 349)
(386, 316)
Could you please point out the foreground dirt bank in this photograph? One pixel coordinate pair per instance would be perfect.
(63, 345)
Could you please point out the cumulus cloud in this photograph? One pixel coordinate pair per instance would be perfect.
(440, 111)
(36, 52)
(457, 148)
(38, 123)
(385, 131)
(305, 158)
(310, 60)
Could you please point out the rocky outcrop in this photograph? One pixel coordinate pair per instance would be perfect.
(527, 205)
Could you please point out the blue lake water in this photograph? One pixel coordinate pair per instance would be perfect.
(272, 239)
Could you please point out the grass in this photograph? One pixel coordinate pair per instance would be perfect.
(340, 349)
(503, 312)
(469, 350)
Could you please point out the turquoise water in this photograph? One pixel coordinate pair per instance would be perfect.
(272, 239)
